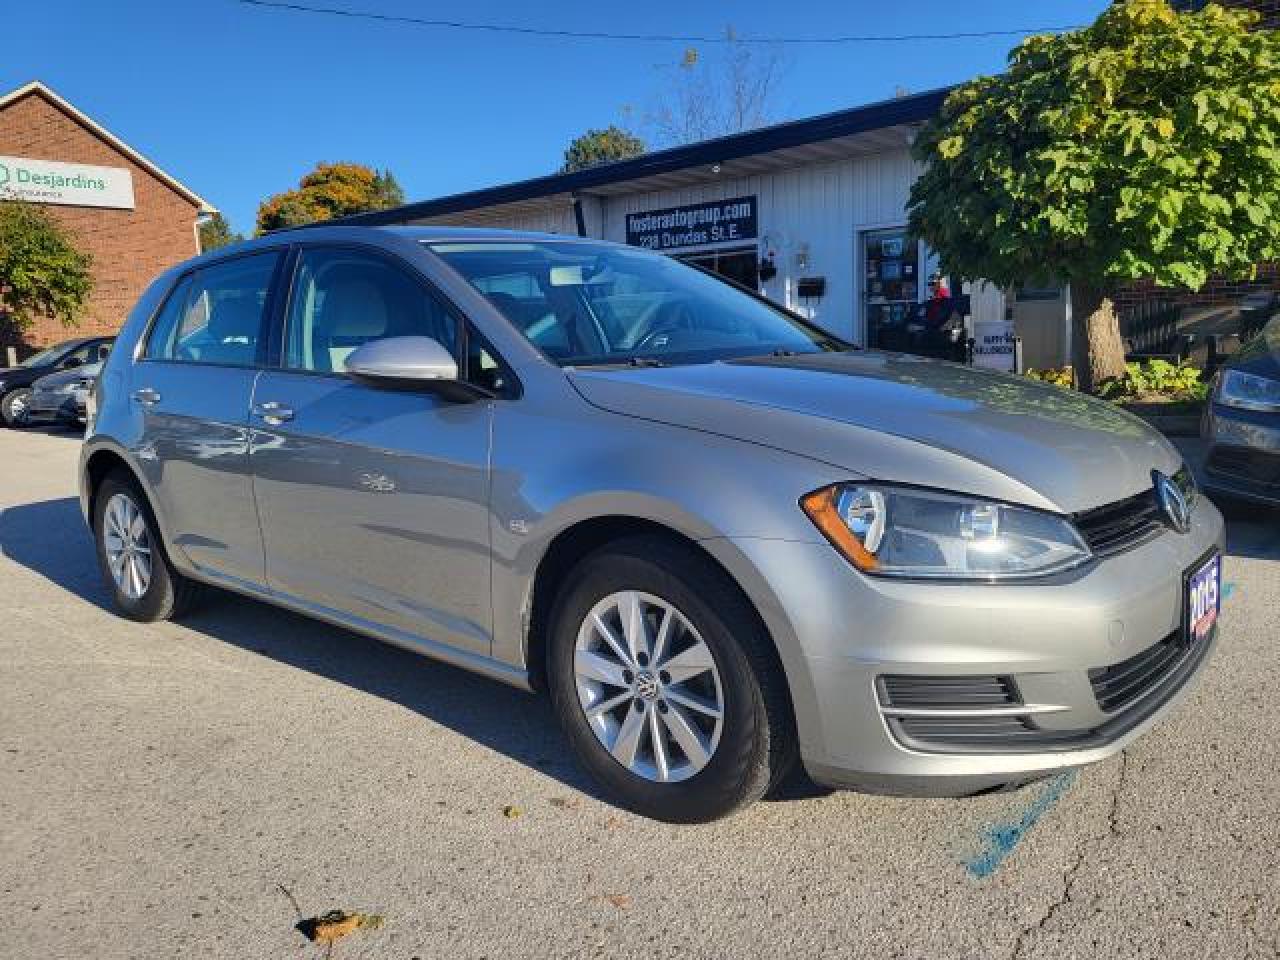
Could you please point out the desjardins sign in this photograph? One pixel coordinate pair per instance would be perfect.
(69, 184)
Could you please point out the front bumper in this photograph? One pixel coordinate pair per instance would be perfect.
(55, 408)
(1243, 459)
(1047, 638)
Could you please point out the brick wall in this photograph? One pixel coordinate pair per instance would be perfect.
(1216, 291)
(129, 247)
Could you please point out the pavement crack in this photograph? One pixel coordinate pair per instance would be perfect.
(1069, 876)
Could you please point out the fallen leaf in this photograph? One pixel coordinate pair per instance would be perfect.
(613, 823)
(620, 900)
(566, 803)
(337, 924)
(511, 812)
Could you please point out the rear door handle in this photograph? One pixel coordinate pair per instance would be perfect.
(146, 396)
(273, 413)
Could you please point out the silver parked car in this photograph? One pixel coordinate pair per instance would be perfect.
(62, 398)
(720, 538)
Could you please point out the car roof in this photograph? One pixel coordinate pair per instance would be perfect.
(441, 233)
(340, 233)
(79, 341)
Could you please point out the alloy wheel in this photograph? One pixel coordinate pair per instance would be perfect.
(648, 686)
(127, 543)
(18, 408)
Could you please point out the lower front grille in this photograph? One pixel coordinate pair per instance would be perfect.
(981, 734)
(1258, 466)
(1119, 685)
(1129, 691)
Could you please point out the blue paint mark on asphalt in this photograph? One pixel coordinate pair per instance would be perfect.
(999, 839)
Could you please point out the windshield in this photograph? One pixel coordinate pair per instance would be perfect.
(44, 356)
(584, 303)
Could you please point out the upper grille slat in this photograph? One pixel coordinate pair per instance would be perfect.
(1258, 466)
(1124, 523)
(900, 690)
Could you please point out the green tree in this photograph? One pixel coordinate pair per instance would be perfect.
(601, 146)
(1144, 146)
(215, 233)
(330, 190)
(42, 273)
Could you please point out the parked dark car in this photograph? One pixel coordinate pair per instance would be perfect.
(62, 398)
(1242, 421)
(16, 382)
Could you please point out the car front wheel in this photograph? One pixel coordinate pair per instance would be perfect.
(666, 684)
(13, 408)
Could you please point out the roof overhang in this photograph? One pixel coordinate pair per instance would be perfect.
(874, 128)
(39, 89)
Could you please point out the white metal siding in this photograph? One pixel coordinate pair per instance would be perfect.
(821, 207)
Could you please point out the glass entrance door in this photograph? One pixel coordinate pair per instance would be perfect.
(890, 273)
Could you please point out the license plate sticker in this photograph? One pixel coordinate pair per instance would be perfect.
(1204, 599)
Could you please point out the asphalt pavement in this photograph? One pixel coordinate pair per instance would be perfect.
(195, 789)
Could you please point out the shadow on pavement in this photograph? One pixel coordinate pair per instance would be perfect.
(50, 539)
(1253, 529)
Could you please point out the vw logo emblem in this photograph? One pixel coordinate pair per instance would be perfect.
(647, 685)
(1172, 502)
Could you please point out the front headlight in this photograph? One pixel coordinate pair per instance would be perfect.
(904, 532)
(1247, 391)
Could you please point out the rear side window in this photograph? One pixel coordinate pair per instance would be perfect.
(216, 315)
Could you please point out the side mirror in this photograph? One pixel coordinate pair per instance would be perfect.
(410, 363)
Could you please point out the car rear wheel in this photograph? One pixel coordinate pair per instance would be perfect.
(13, 408)
(137, 571)
(666, 684)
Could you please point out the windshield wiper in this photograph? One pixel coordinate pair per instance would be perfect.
(621, 362)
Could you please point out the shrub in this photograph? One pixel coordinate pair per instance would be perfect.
(1157, 379)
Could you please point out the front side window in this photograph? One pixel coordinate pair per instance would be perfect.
(344, 298)
(584, 303)
(80, 356)
(216, 315)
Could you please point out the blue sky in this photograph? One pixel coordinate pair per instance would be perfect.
(238, 101)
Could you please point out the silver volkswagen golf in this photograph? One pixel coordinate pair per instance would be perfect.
(721, 539)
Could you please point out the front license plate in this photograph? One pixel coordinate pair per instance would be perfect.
(1204, 598)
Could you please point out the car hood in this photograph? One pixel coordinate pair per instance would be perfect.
(905, 419)
(54, 380)
(1261, 354)
(22, 376)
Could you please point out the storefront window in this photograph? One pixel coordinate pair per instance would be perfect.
(739, 264)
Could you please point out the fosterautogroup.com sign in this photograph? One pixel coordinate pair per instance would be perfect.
(694, 224)
(70, 184)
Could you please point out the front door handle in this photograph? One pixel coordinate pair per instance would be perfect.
(146, 396)
(273, 413)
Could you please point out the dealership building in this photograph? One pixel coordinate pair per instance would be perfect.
(135, 219)
(812, 213)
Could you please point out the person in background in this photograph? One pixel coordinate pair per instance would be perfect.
(944, 321)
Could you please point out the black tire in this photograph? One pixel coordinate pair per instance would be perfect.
(757, 745)
(169, 594)
(10, 406)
